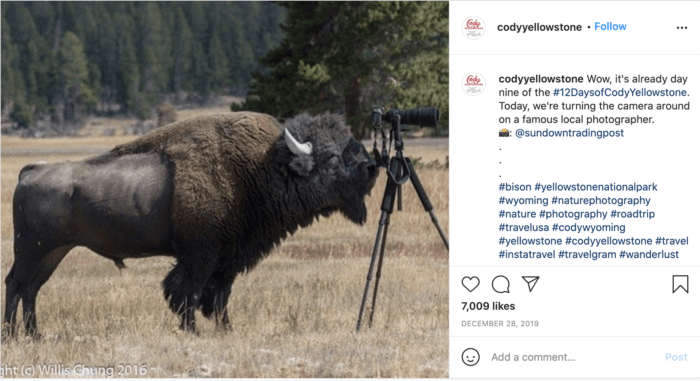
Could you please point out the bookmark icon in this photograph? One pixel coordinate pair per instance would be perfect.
(681, 282)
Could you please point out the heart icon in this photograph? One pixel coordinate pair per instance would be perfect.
(470, 283)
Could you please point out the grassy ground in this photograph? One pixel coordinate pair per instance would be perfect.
(292, 316)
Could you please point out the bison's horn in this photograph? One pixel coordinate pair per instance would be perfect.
(296, 147)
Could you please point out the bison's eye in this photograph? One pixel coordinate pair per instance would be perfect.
(333, 160)
(354, 153)
(330, 158)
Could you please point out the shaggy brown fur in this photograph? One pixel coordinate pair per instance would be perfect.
(209, 153)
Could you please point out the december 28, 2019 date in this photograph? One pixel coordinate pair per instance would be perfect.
(500, 323)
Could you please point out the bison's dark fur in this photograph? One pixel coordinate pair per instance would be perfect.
(215, 192)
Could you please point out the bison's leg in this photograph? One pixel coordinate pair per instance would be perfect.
(216, 293)
(26, 259)
(32, 268)
(43, 271)
(11, 303)
(184, 284)
(175, 291)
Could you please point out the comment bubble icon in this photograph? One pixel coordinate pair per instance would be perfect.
(501, 284)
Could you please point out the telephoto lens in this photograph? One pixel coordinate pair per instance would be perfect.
(423, 116)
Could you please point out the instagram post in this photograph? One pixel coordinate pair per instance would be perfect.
(254, 189)
(225, 189)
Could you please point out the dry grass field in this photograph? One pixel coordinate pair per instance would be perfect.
(292, 316)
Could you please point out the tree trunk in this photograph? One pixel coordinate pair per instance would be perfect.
(353, 113)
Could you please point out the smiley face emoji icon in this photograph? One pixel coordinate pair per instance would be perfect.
(470, 357)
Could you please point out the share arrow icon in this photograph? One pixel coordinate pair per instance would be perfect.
(531, 281)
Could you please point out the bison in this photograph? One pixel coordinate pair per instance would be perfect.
(215, 192)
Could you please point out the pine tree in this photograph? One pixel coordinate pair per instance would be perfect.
(21, 51)
(12, 83)
(199, 69)
(240, 56)
(105, 56)
(128, 78)
(44, 15)
(218, 63)
(199, 62)
(75, 78)
(182, 46)
(347, 56)
(153, 47)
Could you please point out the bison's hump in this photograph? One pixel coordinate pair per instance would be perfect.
(215, 160)
(246, 131)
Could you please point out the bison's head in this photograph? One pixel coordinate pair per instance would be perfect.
(329, 169)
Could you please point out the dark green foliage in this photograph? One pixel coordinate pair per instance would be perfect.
(12, 83)
(218, 64)
(73, 80)
(22, 114)
(348, 56)
(181, 51)
(68, 59)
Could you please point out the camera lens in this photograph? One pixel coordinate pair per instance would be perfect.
(423, 116)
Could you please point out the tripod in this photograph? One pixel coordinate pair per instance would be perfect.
(399, 171)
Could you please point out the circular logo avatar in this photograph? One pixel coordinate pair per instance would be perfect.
(473, 27)
(473, 84)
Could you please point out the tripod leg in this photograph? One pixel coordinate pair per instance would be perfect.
(382, 222)
(439, 229)
(399, 198)
(423, 196)
(386, 208)
(379, 272)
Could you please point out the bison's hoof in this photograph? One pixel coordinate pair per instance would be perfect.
(224, 327)
(181, 331)
(7, 333)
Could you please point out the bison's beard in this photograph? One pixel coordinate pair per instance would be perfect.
(355, 210)
(354, 192)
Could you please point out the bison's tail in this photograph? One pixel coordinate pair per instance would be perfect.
(19, 202)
